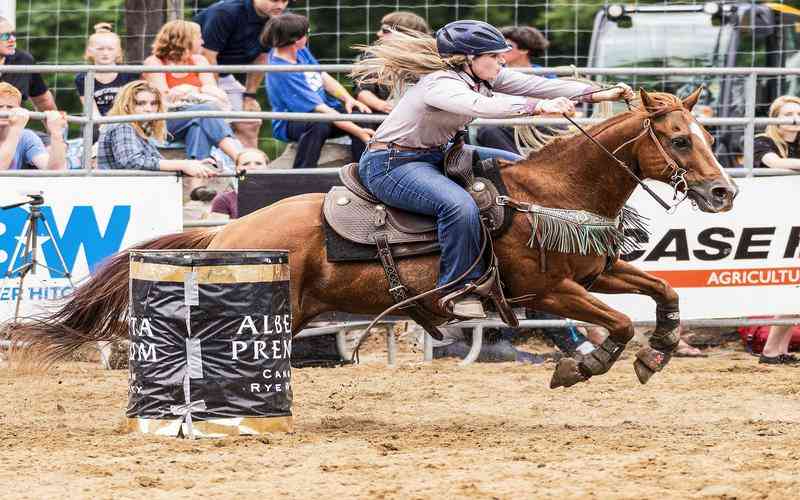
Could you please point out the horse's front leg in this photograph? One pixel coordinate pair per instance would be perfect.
(571, 300)
(626, 278)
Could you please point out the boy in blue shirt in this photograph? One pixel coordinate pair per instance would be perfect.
(309, 92)
(22, 148)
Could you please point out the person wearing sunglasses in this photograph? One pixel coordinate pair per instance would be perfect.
(378, 97)
(31, 85)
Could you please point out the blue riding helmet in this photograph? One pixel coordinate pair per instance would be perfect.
(470, 38)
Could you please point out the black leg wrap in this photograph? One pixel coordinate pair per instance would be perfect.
(668, 318)
(570, 371)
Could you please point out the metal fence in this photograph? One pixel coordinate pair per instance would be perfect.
(88, 120)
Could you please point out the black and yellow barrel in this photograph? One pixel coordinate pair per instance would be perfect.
(210, 342)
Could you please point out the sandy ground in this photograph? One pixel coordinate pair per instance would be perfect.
(720, 427)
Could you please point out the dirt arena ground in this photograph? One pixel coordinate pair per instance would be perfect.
(720, 427)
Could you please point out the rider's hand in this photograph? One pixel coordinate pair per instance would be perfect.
(619, 92)
(201, 169)
(555, 106)
(18, 117)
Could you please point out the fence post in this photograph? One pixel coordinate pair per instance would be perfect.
(88, 127)
(391, 345)
(750, 128)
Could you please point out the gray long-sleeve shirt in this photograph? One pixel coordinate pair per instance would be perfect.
(431, 112)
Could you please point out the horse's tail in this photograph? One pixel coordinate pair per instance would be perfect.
(97, 309)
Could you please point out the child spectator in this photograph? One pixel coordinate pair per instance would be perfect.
(307, 92)
(21, 148)
(131, 146)
(377, 96)
(179, 43)
(778, 146)
(225, 205)
(103, 48)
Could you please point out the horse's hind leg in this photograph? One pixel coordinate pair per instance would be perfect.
(625, 278)
(571, 300)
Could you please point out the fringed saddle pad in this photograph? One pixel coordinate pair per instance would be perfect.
(585, 233)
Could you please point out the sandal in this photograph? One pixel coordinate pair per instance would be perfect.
(771, 360)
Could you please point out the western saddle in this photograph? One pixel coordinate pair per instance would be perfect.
(360, 227)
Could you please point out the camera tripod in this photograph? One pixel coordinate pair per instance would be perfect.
(27, 248)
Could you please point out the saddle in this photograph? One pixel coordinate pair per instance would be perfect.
(358, 227)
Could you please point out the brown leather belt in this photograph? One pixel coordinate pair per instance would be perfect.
(379, 146)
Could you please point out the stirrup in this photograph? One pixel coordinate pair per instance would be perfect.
(469, 307)
(467, 299)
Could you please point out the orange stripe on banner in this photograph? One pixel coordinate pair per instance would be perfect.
(731, 277)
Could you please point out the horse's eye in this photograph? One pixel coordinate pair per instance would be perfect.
(681, 143)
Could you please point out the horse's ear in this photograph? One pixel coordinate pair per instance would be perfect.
(691, 100)
(647, 102)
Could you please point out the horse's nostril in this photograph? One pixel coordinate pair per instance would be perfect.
(721, 192)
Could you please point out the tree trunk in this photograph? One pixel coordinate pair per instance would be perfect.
(143, 19)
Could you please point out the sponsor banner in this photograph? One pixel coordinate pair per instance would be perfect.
(90, 218)
(745, 262)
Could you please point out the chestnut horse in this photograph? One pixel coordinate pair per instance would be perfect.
(569, 173)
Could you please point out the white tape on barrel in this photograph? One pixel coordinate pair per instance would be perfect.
(191, 292)
(194, 358)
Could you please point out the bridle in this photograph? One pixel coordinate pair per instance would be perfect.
(678, 173)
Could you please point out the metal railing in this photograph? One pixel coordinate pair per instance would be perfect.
(88, 120)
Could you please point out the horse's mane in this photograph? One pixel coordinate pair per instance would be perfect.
(557, 144)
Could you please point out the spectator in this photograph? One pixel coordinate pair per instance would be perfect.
(231, 30)
(778, 146)
(31, 85)
(225, 205)
(377, 96)
(526, 43)
(776, 350)
(21, 148)
(104, 48)
(179, 43)
(307, 92)
(130, 145)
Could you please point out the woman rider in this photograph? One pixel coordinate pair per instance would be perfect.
(452, 80)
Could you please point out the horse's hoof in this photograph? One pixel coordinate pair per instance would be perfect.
(649, 361)
(566, 374)
(642, 371)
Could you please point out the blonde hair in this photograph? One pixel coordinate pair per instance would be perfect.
(174, 40)
(125, 102)
(103, 29)
(773, 131)
(401, 59)
(6, 89)
(251, 150)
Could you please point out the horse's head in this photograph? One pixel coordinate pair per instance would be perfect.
(680, 148)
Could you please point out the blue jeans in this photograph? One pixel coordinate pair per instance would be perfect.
(199, 134)
(413, 181)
